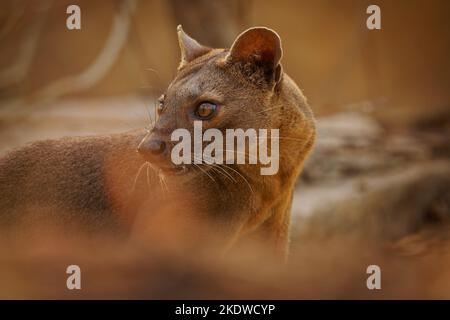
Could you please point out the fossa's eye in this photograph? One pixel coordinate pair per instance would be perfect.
(206, 110)
(160, 106)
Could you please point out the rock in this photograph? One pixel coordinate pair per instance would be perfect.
(386, 206)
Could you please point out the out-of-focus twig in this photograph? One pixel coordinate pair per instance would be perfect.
(12, 19)
(19, 69)
(103, 62)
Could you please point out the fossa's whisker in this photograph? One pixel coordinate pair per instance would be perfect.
(137, 177)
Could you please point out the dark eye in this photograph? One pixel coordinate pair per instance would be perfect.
(160, 106)
(205, 110)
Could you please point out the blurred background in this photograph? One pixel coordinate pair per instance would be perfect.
(381, 97)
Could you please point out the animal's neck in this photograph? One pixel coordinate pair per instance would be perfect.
(252, 204)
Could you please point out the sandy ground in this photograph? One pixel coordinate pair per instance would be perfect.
(21, 123)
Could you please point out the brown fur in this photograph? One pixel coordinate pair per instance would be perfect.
(97, 181)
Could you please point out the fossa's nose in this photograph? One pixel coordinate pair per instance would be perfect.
(152, 149)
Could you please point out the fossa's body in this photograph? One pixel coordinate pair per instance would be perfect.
(102, 183)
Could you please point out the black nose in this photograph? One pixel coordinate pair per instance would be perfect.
(156, 147)
(152, 149)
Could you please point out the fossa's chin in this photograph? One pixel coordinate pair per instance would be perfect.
(184, 170)
(168, 169)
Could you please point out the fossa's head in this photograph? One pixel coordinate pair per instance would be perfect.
(221, 88)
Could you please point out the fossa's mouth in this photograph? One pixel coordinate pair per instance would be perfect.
(174, 170)
(183, 169)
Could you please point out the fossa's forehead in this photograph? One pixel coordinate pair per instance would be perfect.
(204, 63)
(190, 86)
(198, 78)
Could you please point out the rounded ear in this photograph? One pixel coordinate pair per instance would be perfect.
(259, 45)
(190, 48)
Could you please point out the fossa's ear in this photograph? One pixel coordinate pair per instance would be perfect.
(258, 46)
(190, 48)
